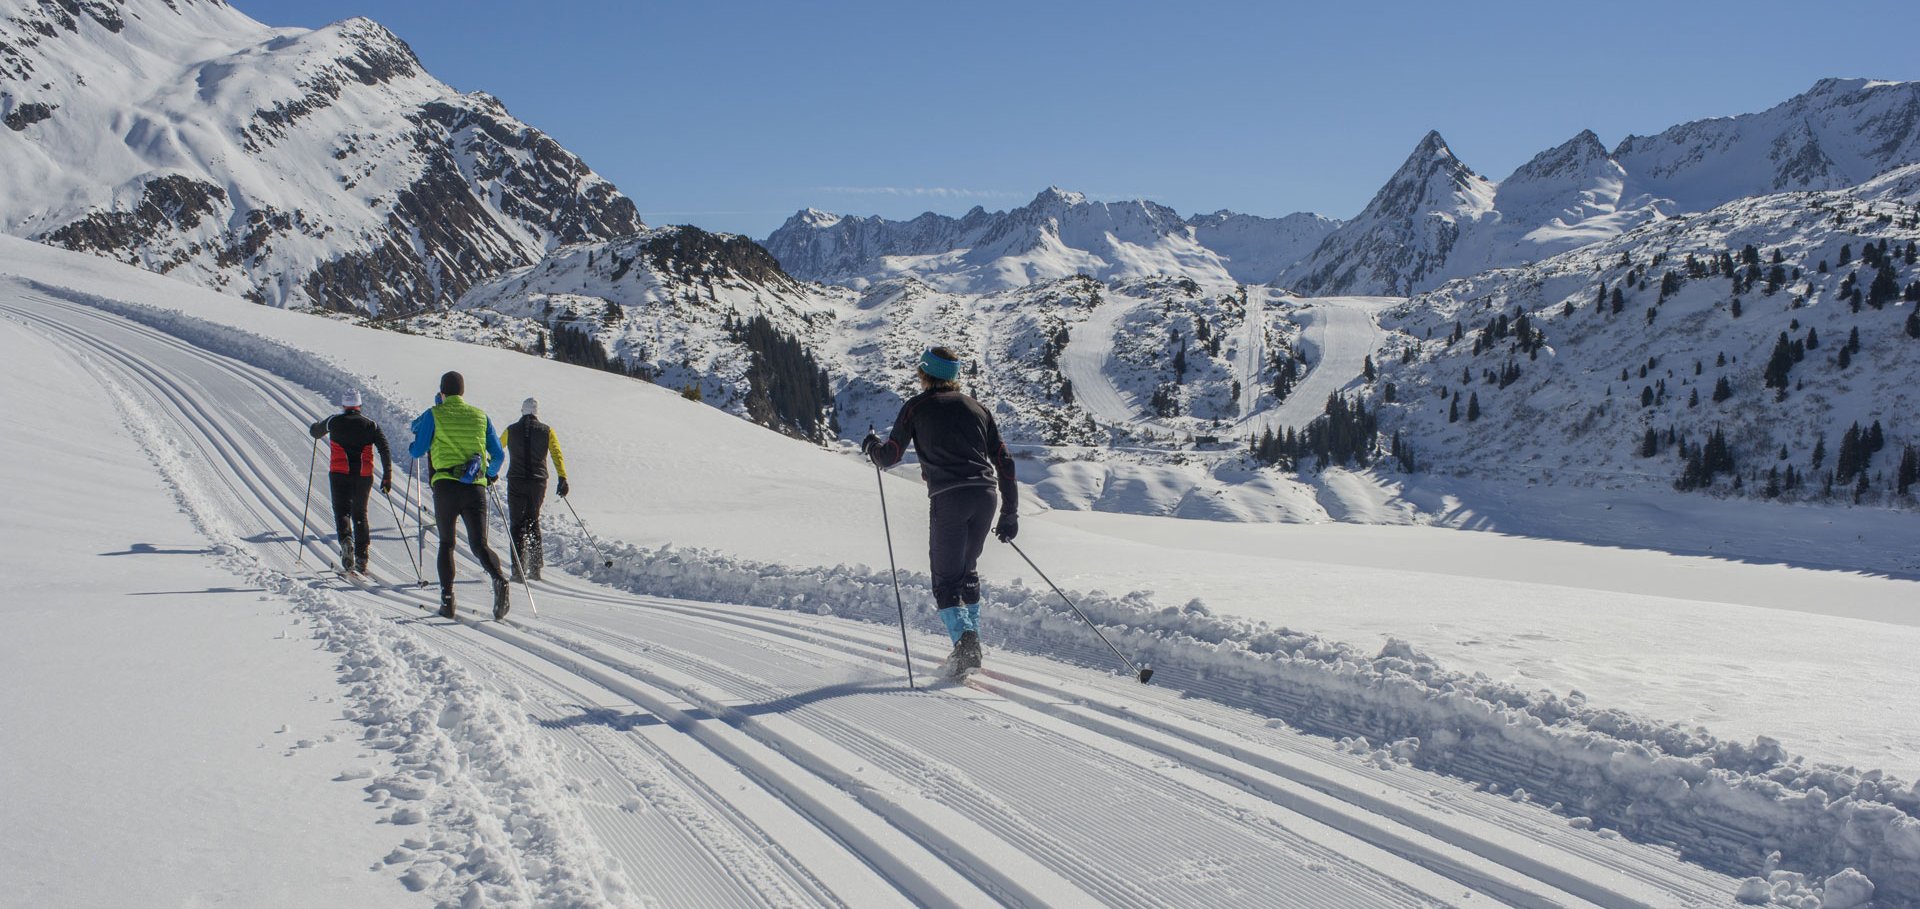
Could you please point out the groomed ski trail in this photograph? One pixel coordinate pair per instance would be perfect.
(741, 756)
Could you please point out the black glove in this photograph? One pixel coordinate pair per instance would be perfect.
(386, 484)
(868, 444)
(563, 487)
(1008, 528)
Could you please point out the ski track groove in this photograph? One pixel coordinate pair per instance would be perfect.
(904, 760)
(1018, 697)
(407, 606)
(1629, 859)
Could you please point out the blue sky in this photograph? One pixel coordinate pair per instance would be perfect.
(734, 115)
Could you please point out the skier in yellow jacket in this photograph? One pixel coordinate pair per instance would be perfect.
(529, 444)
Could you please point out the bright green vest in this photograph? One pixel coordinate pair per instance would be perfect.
(459, 433)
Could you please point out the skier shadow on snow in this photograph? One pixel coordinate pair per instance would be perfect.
(150, 549)
(169, 593)
(621, 721)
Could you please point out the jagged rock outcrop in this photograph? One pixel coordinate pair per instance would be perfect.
(310, 168)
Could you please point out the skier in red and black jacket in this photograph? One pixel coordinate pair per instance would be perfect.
(353, 439)
(969, 476)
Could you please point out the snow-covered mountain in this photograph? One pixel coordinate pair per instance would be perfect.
(1059, 234)
(1837, 134)
(1776, 321)
(319, 167)
(1406, 233)
(672, 305)
(1256, 250)
(1434, 220)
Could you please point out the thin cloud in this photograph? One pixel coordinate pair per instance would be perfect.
(935, 192)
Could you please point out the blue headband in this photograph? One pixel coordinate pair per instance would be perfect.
(939, 367)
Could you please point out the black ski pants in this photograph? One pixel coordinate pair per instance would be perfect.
(959, 519)
(350, 495)
(524, 498)
(454, 501)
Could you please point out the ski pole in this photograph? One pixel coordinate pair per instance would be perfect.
(887, 526)
(419, 503)
(604, 561)
(513, 542)
(1144, 672)
(313, 458)
(400, 526)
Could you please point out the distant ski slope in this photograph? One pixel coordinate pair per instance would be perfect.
(744, 756)
(1340, 333)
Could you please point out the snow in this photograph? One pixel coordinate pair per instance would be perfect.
(148, 698)
(763, 522)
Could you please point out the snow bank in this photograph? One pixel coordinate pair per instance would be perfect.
(1735, 807)
(495, 825)
(1727, 805)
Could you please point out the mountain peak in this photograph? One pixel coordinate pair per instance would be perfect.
(1054, 196)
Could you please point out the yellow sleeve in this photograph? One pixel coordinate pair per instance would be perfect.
(553, 448)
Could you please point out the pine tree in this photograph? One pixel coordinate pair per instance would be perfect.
(1473, 407)
(1722, 390)
(1885, 288)
(1650, 443)
(1366, 367)
(1779, 364)
(1735, 308)
(1453, 409)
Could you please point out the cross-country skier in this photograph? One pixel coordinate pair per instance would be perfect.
(529, 442)
(465, 456)
(353, 438)
(963, 462)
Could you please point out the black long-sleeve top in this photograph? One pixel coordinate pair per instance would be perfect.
(958, 442)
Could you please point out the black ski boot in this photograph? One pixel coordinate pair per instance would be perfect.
(446, 603)
(966, 654)
(501, 600)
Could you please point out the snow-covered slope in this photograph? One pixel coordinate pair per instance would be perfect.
(1405, 234)
(1057, 235)
(1433, 220)
(1256, 249)
(1837, 134)
(1575, 400)
(670, 305)
(295, 167)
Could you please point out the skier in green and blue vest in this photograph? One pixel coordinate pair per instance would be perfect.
(464, 453)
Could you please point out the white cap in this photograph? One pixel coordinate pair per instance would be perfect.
(350, 398)
(530, 406)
